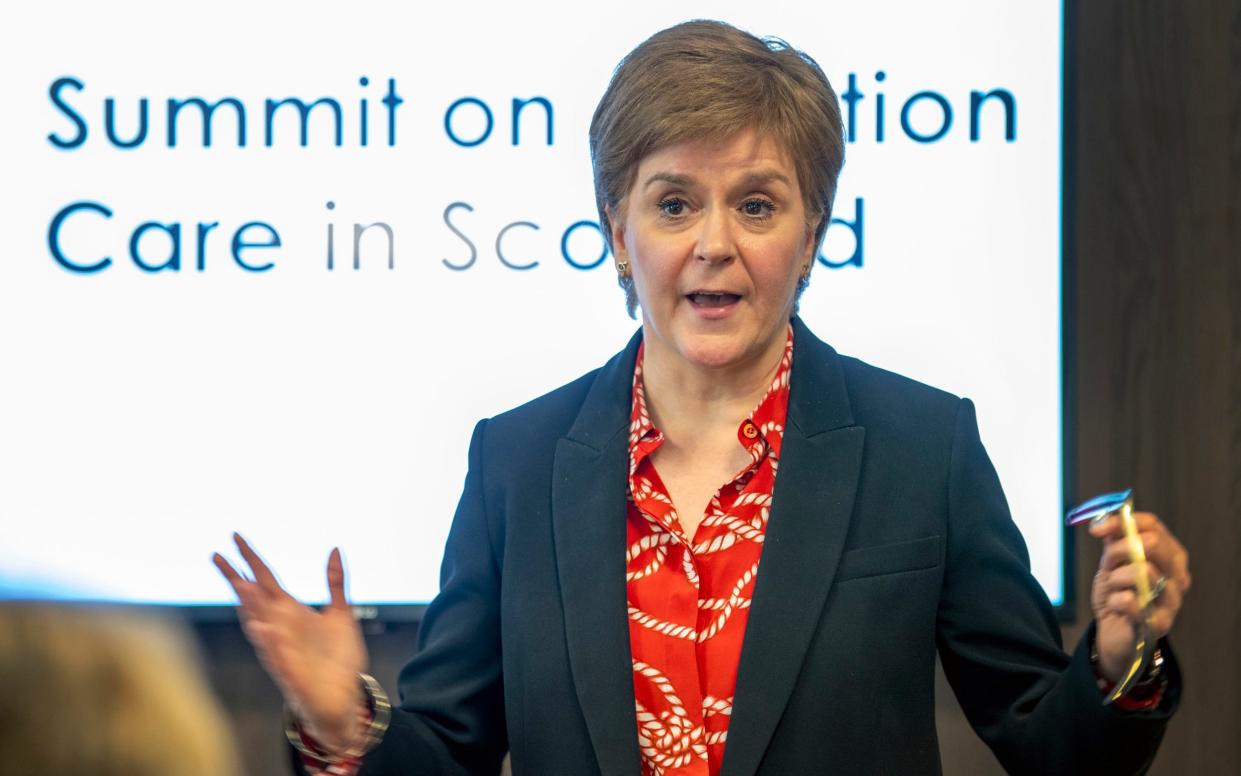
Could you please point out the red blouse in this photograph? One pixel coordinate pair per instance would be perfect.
(689, 597)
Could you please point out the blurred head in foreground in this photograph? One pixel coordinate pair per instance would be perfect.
(103, 692)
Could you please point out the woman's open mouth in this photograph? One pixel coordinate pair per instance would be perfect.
(712, 298)
(712, 304)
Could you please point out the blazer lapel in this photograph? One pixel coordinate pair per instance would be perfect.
(815, 486)
(589, 491)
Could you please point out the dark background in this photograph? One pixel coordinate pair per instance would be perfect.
(1153, 294)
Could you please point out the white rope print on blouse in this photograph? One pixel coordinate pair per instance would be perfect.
(671, 739)
(658, 541)
(737, 529)
(735, 601)
(725, 607)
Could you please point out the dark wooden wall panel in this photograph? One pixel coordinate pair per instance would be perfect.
(1157, 272)
(1159, 320)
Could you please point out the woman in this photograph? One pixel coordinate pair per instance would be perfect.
(629, 586)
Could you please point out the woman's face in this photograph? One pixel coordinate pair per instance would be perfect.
(716, 236)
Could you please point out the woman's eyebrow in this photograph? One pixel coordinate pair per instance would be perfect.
(763, 177)
(683, 181)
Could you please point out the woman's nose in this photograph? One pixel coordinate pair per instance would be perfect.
(716, 242)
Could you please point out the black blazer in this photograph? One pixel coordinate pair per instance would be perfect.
(889, 538)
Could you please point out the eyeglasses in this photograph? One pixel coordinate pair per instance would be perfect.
(1098, 510)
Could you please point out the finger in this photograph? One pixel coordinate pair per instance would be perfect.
(1167, 606)
(244, 588)
(1114, 528)
(1114, 594)
(1159, 547)
(1115, 554)
(262, 574)
(1115, 541)
(1110, 527)
(248, 594)
(1168, 552)
(1126, 578)
(336, 580)
(231, 575)
(1161, 622)
(1123, 603)
(1168, 602)
(1116, 551)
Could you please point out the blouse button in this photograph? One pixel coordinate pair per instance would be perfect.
(748, 430)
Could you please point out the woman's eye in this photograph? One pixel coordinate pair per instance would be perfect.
(759, 208)
(671, 207)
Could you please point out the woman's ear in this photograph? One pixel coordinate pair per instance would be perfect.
(616, 231)
(812, 242)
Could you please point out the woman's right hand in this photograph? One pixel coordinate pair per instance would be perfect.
(314, 657)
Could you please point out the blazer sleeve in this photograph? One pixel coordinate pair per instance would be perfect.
(450, 719)
(999, 642)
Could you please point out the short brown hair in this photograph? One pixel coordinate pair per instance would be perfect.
(707, 80)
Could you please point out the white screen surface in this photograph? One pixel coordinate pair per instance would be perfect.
(145, 414)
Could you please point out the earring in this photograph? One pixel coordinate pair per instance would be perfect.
(804, 279)
(622, 268)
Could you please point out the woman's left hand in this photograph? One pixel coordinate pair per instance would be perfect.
(1114, 597)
